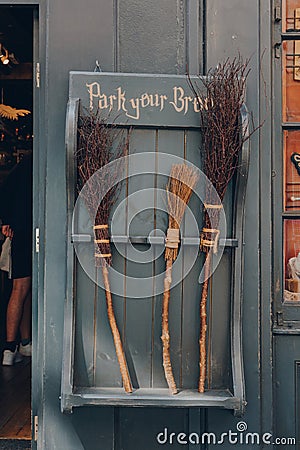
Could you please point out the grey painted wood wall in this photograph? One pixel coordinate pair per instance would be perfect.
(153, 37)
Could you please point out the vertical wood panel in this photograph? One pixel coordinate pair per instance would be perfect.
(297, 400)
(84, 301)
(287, 357)
(265, 96)
(161, 223)
(229, 31)
(107, 366)
(152, 421)
(168, 143)
(219, 349)
(94, 26)
(191, 286)
(84, 331)
(219, 322)
(139, 310)
(194, 18)
(156, 32)
(94, 427)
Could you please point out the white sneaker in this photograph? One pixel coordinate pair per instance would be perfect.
(10, 358)
(25, 350)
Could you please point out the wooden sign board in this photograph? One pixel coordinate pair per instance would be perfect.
(144, 100)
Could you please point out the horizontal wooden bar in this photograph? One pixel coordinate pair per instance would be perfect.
(155, 240)
(290, 125)
(150, 397)
(286, 330)
(291, 215)
(291, 36)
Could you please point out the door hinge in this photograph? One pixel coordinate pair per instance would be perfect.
(37, 75)
(36, 427)
(277, 14)
(279, 318)
(277, 50)
(37, 240)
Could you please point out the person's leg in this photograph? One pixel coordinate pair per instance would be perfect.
(25, 324)
(20, 291)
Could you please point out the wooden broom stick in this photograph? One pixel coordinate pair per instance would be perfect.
(103, 260)
(116, 334)
(165, 337)
(203, 326)
(209, 245)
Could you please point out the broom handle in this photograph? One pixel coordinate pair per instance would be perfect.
(165, 329)
(203, 321)
(116, 334)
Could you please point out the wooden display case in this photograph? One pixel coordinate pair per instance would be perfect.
(90, 374)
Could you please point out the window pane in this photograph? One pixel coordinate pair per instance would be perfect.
(290, 13)
(291, 81)
(292, 170)
(292, 259)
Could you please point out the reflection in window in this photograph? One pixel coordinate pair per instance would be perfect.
(292, 259)
(292, 170)
(290, 16)
(291, 81)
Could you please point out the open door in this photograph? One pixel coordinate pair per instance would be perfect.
(18, 26)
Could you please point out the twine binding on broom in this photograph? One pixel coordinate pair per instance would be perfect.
(101, 241)
(206, 243)
(172, 239)
(100, 227)
(210, 206)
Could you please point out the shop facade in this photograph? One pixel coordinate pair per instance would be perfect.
(140, 40)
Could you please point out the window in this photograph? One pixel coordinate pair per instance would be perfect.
(291, 147)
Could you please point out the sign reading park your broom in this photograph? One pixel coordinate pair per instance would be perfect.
(149, 100)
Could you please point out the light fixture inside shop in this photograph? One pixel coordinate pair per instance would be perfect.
(4, 55)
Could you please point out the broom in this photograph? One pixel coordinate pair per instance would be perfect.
(222, 137)
(179, 190)
(96, 150)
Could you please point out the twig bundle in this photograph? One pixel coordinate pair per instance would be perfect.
(222, 138)
(99, 144)
(179, 190)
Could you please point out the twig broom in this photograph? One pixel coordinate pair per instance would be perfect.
(179, 190)
(95, 150)
(222, 137)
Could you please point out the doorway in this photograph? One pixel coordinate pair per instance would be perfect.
(16, 144)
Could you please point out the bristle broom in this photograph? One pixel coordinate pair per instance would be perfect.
(179, 189)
